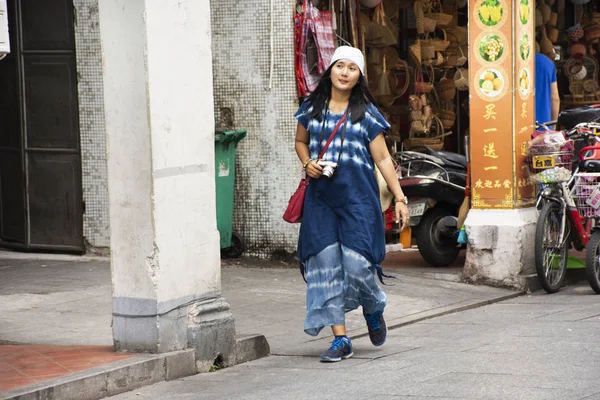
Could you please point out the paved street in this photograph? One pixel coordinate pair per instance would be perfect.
(531, 347)
(69, 299)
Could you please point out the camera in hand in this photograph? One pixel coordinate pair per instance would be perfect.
(328, 168)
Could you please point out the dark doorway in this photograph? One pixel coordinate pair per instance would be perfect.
(41, 206)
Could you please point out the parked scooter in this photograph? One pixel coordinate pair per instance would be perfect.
(434, 182)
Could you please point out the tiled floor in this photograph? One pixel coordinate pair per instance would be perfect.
(24, 365)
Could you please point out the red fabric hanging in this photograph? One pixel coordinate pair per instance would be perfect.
(320, 25)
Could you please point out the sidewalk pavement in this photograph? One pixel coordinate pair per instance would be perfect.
(62, 300)
(536, 347)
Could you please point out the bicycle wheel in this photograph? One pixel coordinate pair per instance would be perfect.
(592, 261)
(550, 251)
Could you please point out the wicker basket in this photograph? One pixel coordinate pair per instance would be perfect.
(545, 10)
(414, 101)
(445, 89)
(427, 111)
(429, 25)
(442, 19)
(592, 33)
(421, 86)
(425, 87)
(415, 52)
(402, 65)
(553, 19)
(427, 50)
(416, 115)
(436, 142)
(590, 86)
(460, 33)
(461, 79)
(462, 59)
(441, 44)
(577, 90)
(419, 17)
(447, 117)
(456, 57)
(439, 59)
(451, 55)
(418, 127)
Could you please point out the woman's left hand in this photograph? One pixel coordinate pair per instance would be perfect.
(402, 214)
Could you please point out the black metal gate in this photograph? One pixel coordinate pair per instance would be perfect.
(41, 206)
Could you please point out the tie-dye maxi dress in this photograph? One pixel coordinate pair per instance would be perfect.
(342, 238)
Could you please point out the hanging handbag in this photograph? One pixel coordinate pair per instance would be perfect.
(293, 212)
(319, 25)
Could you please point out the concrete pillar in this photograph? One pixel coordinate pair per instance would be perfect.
(158, 97)
(501, 225)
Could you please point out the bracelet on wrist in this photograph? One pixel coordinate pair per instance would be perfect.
(306, 164)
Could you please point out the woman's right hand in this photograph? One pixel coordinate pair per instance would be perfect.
(314, 170)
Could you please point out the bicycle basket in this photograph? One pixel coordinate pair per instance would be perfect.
(586, 194)
(548, 161)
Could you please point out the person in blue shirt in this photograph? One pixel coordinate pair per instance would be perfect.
(342, 239)
(547, 100)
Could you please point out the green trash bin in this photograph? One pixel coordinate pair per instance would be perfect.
(232, 244)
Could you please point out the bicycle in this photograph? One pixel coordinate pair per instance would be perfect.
(563, 219)
(589, 205)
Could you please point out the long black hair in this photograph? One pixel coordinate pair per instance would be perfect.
(359, 98)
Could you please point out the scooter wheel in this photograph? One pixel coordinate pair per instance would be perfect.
(436, 249)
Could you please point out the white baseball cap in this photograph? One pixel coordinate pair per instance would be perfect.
(349, 53)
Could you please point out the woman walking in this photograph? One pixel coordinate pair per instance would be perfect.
(342, 238)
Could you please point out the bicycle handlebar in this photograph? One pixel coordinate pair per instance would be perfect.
(576, 133)
(576, 128)
(545, 124)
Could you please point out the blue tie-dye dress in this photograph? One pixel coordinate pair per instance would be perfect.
(344, 208)
(342, 237)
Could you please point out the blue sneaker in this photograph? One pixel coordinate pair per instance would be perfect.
(341, 348)
(377, 328)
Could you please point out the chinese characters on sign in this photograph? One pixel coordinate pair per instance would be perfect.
(489, 150)
(524, 103)
(501, 106)
(495, 184)
(490, 113)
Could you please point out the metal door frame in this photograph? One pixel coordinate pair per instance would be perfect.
(18, 52)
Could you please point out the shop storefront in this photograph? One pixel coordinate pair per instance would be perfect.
(449, 74)
(412, 49)
(417, 70)
(570, 33)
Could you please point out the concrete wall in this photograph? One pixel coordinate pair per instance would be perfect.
(96, 227)
(267, 170)
(267, 167)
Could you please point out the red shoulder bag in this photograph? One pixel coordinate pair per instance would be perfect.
(295, 208)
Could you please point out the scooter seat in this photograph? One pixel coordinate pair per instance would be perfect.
(452, 157)
(590, 166)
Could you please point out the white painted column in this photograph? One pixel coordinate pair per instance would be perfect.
(158, 97)
(501, 247)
